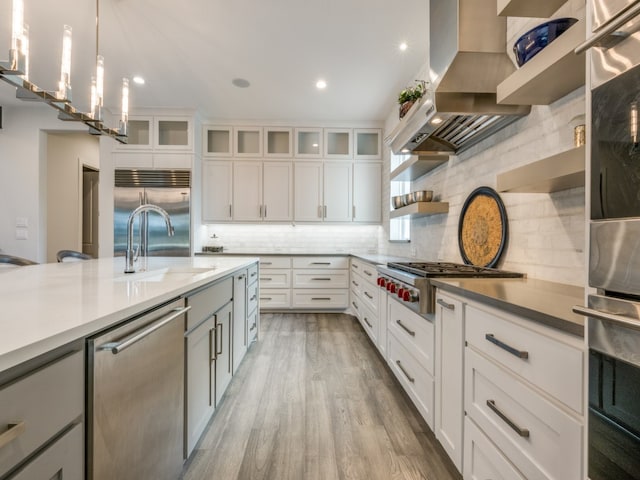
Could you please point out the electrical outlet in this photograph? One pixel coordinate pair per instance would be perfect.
(22, 234)
(22, 222)
(414, 252)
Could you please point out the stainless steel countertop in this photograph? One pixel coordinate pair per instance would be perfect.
(545, 302)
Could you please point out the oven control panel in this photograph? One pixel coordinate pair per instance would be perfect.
(404, 292)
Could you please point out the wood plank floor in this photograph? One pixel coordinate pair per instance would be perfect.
(313, 400)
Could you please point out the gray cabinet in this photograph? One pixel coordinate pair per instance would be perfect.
(208, 322)
(239, 318)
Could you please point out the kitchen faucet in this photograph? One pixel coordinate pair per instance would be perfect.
(130, 256)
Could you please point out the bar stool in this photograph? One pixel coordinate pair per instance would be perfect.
(72, 255)
(13, 260)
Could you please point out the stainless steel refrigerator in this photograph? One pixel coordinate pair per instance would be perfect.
(168, 189)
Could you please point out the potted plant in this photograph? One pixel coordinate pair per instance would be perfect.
(408, 96)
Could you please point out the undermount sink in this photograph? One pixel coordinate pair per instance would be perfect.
(159, 274)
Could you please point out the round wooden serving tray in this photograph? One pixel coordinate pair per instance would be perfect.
(482, 230)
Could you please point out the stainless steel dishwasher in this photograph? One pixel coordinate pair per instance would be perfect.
(135, 404)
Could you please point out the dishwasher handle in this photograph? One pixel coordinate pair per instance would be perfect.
(126, 342)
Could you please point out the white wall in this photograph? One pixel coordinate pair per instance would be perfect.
(66, 154)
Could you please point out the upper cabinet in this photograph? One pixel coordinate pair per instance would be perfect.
(555, 71)
(338, 143)
(308, 142)
(217, 141)
(247, 141)
(278, 142)
(140, 133)
(368, 143)
(159, 133)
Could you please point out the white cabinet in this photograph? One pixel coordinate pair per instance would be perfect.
(247, 141)
(217, 188)
(324, 286)
(253, 313)
(411, 345)
(217, 141)
(157, 142)
(338, 143)
(337, 191)
(308, 142)
(367, 192)
(278, 142)
(35, 409)
(308, 192)
(449, 403)
(365, 300)
(275, 282)
(262, 191)
(523, 389)
(368, 144)
(239, 318)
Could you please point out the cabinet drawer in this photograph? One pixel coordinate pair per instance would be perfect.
(252, 297)
(369, 322)
(207, 301)
(275, 262)
(274, 278)
(413, 377)
(482, 459)
(321, 262)
(416, 333)
(541, 440)
(366, 270)
(356, 283)
(370, 296)
(551, 364)
(252, 327)
(45, 402)
(63, 459)
(320, 299)
(275, 298)
(252, 274)
(321, 279)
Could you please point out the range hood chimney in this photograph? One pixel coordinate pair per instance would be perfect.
(467, 62)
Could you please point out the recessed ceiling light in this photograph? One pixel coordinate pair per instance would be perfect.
(321, 84)
(403, 46)
(240, 82)
(138, 80)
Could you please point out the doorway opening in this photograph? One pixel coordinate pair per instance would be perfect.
(90, 185)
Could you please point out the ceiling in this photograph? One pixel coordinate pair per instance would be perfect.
(189, 52)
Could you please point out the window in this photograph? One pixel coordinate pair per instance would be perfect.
(399, 228)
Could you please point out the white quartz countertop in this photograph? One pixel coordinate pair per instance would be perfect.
(49, 305)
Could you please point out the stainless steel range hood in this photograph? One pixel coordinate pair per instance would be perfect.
(467, 62)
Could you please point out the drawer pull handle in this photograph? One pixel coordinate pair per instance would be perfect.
(254, 274)
(367, 322)
(448, 306)
(253, 327)
(513, 351)
(320, 263)
(404, 327)
(355, 305)
(266, 298)
(266, 263)
(409, 377)
(523, 432)
(355, 266)
(355, 283)
(265, 279)
(368, 296)
(321, 298)
(321, 278)
(368, 273)
(14, 430)
(252, 298)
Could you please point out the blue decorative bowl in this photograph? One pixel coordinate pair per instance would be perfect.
(529, 44)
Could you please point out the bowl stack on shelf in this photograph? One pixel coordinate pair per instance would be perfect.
(400, 201)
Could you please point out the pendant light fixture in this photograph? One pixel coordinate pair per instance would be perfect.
(16, 73)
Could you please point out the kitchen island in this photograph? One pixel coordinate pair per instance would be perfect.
(66, 367)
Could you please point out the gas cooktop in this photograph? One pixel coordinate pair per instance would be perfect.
(449, 269)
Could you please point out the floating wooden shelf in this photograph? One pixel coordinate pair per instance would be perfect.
(552, 174)
(420, 209)
(527, 8)
(550, 75)
(416, 166)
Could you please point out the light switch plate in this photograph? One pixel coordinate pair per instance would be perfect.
(22, 222)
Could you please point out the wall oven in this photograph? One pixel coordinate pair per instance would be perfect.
(614, 257)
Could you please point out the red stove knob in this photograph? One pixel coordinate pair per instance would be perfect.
(406, 296)
(401, 292)
(381, 282)
(392, 287)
